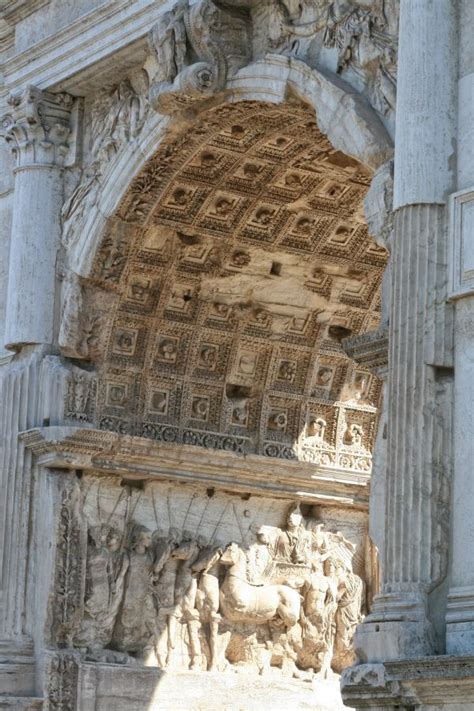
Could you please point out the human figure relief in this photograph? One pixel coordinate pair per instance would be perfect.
(293, 545)
(106, 569)
(168, 42)
(135, 627)
(164, 572)
(207, 595)
(185, 594)
(318, 617)
(349, 28)
(79, 203)
(242, 601)
(117, 118)
(350, 593)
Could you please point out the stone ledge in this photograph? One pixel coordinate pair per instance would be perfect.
(16, 10)
(444, 680)
(102, 685)
(93, 36)
(21, 703)
(141, 458)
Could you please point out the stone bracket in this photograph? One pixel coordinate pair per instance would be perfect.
(369, 350)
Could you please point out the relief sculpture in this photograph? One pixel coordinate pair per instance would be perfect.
(281, 600)
(215, 39)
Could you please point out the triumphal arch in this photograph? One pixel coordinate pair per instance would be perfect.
(236, 383)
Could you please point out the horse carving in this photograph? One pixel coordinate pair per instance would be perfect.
(242, 601)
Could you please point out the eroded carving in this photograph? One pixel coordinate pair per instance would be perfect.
(218, 41)
(282, 597)
(38, 127)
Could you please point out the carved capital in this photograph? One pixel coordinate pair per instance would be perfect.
(38, 127)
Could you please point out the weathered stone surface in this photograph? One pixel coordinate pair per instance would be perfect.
(225, 291)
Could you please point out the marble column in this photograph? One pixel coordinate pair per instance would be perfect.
(37, 129)
(415, 556)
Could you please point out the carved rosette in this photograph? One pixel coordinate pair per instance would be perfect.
(38, 127)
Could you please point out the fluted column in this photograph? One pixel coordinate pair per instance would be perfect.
(415, 555)
(37, 129)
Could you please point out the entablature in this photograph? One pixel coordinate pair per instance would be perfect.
(129, 457)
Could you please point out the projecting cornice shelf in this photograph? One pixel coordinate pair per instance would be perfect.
(140, 458)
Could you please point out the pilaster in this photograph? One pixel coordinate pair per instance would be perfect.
(460, 610)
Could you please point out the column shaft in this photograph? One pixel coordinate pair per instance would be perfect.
(415, 552)
(34, 244)
(416, 534)
(37, 130)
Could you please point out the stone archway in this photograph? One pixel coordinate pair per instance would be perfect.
(211, 320)
(342, 114)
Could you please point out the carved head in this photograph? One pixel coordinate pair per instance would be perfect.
(264, 535)
(231, 555)
(174, 536)
(340, 569)
(98, 535)
(184, 551)
(141, 539)
(329, 567)
(113, 540)
(158, 534)
(294, 518)
(202, 541)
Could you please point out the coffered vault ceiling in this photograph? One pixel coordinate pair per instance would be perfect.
(236, 262)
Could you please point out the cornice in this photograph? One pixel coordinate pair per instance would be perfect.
(85, 41)
(7, 36)
(137, 457)
(13, 11)
(410, 683)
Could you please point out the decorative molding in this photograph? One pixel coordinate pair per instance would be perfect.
(92, 37)
(138, 457)
(13, 11)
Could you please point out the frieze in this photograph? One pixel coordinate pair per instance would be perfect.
(207, 581)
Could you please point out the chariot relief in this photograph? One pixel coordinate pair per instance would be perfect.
(281, 598)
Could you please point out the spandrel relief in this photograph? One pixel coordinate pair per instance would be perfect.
(189, 579)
